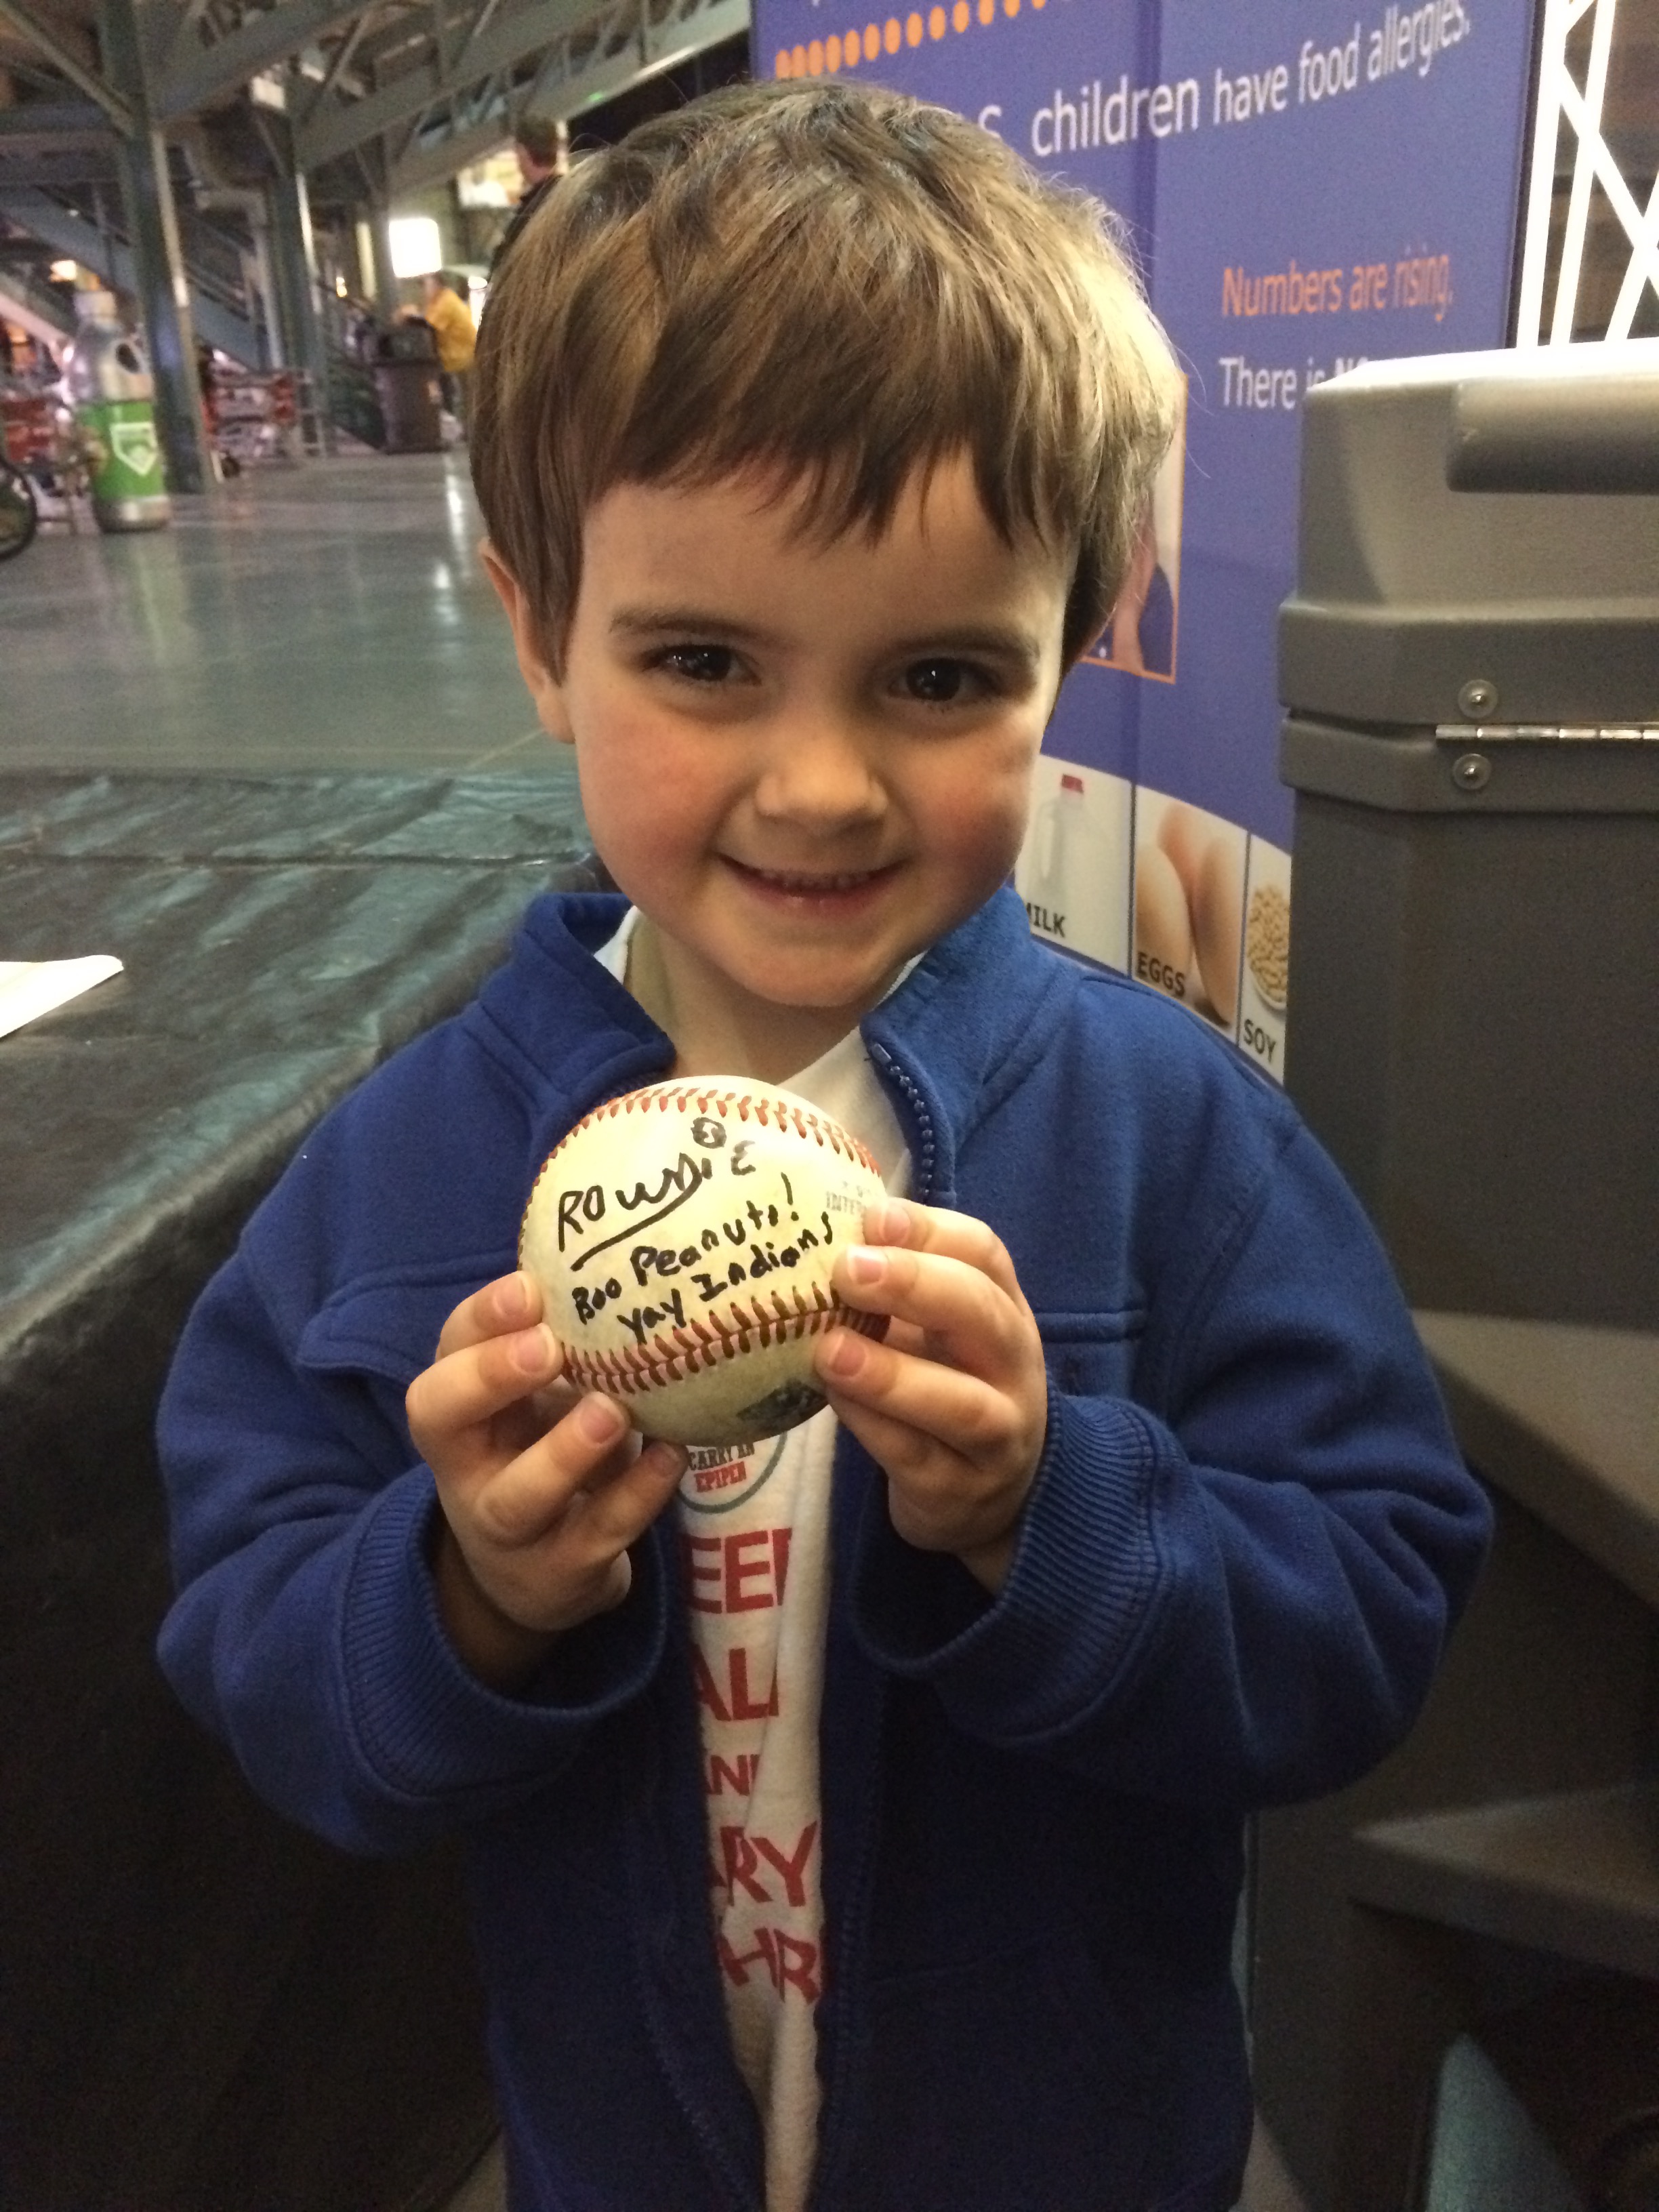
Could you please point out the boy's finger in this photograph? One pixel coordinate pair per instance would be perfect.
(588, 1478)
(508, 1304)
(965, 1317)
(522, 1501)
(893, 1222)
(606, 1521)
(935, 1500)
(929, 1405)
(468, 1387)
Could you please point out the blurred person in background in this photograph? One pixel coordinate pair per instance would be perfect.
(450, 321)
(543, 149)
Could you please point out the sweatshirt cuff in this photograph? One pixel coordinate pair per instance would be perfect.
(424, 1725)
(1037, 1658)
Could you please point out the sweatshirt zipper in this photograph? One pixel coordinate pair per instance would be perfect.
(923, 1120)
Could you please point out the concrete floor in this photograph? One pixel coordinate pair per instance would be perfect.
(331, 615)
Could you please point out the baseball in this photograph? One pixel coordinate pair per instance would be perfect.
(683, 1238)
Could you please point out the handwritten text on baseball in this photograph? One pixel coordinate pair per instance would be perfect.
(713, 1265)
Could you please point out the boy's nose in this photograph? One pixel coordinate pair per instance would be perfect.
(818, 769)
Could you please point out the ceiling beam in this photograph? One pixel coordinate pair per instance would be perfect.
(169, 40)
(69, 64)
(58, 171)
(340, 62)
(480, 24)
(688, 31)
(397, 38)
(209, 72)
(562, 89)
(567, 83)
(52, 125)
(431, 163)
(324, 137)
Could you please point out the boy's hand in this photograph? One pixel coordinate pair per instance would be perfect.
(954, 1403)
(543, 1489)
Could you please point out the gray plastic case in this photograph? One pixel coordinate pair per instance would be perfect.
(1470, 661)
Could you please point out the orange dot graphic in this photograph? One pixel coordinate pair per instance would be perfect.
(959, 15)
(780, 67)
(815, 58)
(832, 53)
(892, 35)
(1010, 7)
(912, 30)
(871, 42)
(936, 23)
(798, 62)
(987, 9)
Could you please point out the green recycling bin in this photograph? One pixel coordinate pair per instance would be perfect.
(113, 394)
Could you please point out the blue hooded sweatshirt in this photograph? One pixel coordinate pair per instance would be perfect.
(1247, 1539)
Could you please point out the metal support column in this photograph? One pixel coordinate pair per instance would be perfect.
(294, 267)
(158, 262)
(385, 284)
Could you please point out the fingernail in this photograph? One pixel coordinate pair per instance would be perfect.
(843, 1354)
(888, 1220)
(601, 1420)
(513, 1297)
(533, 1350)
(865, 1264)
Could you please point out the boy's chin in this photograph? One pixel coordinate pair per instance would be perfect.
(853, 992)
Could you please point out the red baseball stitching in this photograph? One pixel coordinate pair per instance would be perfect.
(684, 1096)
(709, 1341)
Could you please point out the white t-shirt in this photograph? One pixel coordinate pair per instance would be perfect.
(755, 1543)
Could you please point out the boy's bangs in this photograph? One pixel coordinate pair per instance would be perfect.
(838, 394)
(830, 294)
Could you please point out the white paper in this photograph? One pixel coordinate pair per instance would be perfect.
(29, 988)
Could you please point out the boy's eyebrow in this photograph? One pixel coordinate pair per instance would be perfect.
(1005, 641)
(1010, 641)
(683, 621)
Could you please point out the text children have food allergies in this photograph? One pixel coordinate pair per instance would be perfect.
(857, 1818)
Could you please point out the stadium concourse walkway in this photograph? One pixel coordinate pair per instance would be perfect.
(328, 615)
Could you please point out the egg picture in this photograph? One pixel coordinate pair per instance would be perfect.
(1184, 834)
(1164, 935)
(1217, 911)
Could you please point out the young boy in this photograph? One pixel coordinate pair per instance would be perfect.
(855, 1820)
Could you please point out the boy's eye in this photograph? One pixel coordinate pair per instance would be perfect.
(943, 682)
(699, 663)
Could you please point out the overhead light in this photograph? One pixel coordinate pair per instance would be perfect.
(268, 91)
(415, 248)
(64, 272)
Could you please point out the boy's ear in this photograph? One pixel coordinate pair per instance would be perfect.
(544, 687)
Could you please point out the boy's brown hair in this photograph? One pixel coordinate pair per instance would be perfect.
(834, 287)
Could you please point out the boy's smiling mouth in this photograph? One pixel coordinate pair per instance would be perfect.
(807, 883)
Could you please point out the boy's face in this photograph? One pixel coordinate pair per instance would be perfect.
(804, 763)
